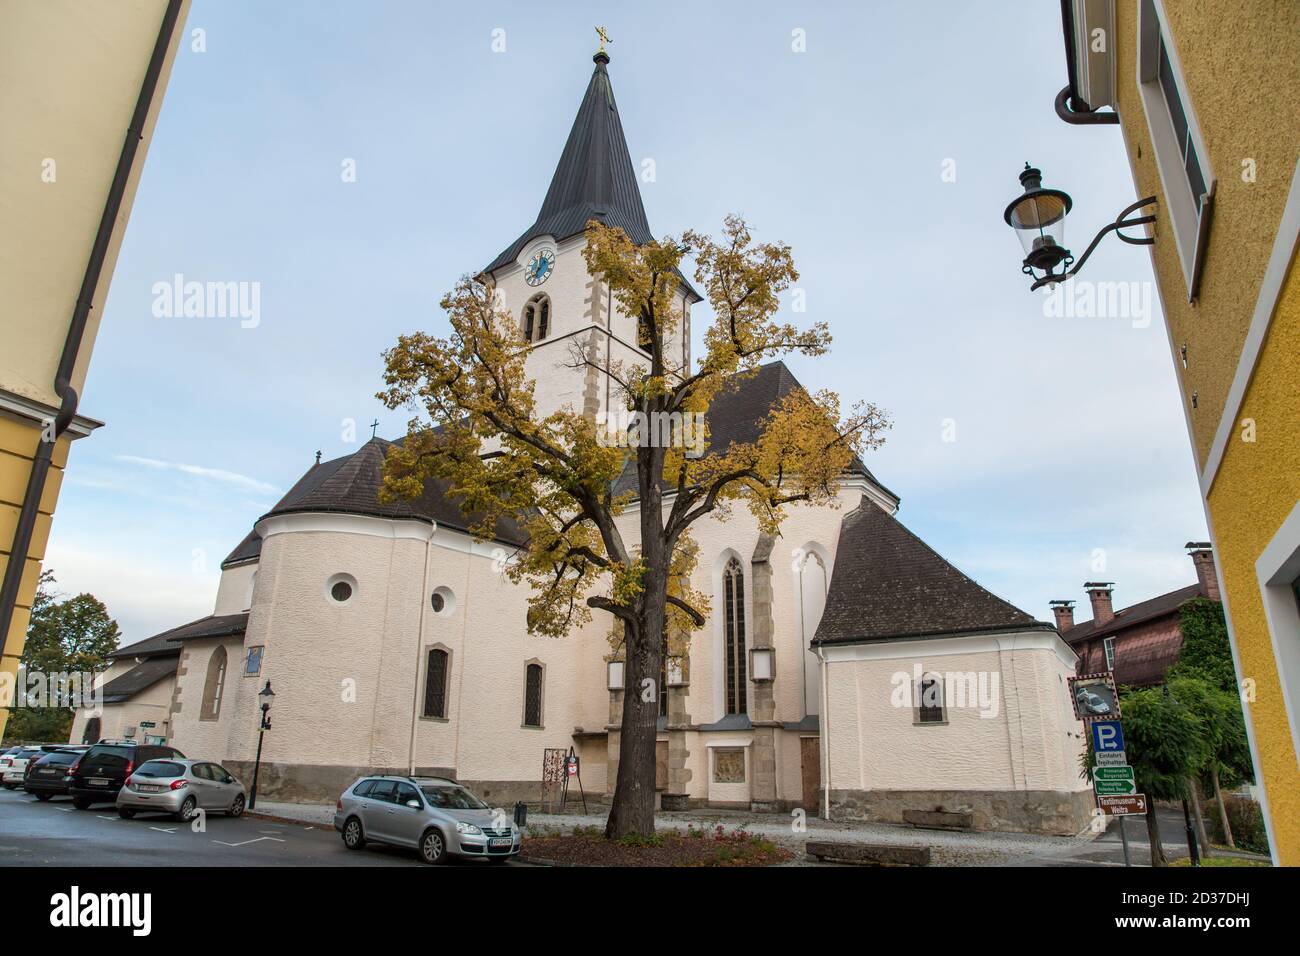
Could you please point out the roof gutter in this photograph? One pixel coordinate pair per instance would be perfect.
(1069, 97)
(68, 398)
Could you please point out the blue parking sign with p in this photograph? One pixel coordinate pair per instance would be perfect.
(1107, 737)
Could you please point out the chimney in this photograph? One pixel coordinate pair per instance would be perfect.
(1099, 594)
(1064, 611)
(1202, 553)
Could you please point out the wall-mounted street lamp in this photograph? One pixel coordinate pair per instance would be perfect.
(762, 664)
(1038, 217)
(264, 724)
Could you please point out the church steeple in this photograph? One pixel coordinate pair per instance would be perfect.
(595, 178)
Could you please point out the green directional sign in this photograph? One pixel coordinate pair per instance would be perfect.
(1113, 781)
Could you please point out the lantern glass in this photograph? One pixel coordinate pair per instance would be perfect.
(1039, 221)
(1038, 217)
(266, 696)
(676, 672)
(761, 663)
(615, 670)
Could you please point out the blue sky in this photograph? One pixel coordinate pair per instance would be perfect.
(1070, 441)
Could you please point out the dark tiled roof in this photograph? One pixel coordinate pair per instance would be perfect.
(594, 179)
(141, 677)
(1136, 614)
(737, 413)
(350, 485)
(888, 584)
(168, 642)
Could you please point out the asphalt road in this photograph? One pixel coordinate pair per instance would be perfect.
(55, 833)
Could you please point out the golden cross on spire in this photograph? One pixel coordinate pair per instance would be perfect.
(604, 38)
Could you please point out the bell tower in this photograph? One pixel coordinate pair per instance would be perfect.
(565, 311)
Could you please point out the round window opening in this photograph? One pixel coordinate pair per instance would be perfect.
(442, 601)
(341, 588)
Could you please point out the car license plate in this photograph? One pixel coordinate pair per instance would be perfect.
(499, 841)
(97, 781)
(148, 788)
(48, 773)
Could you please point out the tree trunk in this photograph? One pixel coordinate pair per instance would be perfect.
(1198, 820)
(1153, 835)
(1223, 809)
(632, 812)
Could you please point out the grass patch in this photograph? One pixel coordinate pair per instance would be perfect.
(1220, 861)
(695, 847)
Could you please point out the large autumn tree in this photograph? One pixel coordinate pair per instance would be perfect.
(554, 474)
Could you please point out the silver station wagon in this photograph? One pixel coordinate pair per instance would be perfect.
(180, 787)
(432, 815)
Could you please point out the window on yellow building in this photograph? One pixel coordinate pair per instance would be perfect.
(1181, 155)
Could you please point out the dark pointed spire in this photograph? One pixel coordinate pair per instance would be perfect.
(595, 178)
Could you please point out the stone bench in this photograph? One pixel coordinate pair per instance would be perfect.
(869, 854)
(939, 819)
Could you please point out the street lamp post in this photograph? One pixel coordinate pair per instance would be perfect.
(1038, 217)
(265, 696)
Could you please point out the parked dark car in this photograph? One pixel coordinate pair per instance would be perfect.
(103, 769)
(49, 775)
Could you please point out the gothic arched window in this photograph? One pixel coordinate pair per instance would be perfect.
(91, 734)
(213, 685)
(733, 625)
(537, 318)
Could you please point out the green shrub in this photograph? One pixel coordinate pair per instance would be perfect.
(1246, 820)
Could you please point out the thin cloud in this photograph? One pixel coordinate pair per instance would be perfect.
(213, 474)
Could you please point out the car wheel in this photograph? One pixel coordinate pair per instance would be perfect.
(237, 808)
(353, 837)
(125, 814)
(43, 796)
(10, 786)
(433, 848)
(187, 809)
(81, 803)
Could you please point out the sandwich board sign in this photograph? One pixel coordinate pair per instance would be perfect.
(1132, 805)
(1113, 781)
(1107, 743)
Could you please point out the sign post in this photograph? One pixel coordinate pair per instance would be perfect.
(1096, 703)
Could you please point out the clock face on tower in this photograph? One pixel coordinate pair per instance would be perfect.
(539, 267)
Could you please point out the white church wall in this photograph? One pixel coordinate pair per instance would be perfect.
(208, 739)
(235, 589)
(882, 762)
(805, 527)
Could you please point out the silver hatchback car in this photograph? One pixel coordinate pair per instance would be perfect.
(433, 815)
(182, 788)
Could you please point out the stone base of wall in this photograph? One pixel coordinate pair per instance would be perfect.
(1053, 812)
(322, 783)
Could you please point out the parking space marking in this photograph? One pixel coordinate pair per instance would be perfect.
(65, 809)
(105, 817)
(246, 842)
(164, 829)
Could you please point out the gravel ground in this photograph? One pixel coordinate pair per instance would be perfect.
(948, 849)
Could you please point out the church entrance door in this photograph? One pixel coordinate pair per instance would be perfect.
(810, 765)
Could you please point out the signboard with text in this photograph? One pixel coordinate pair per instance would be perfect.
(1134, 804)
(1113, 781)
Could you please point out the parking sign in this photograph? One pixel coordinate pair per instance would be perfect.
(1107, 736)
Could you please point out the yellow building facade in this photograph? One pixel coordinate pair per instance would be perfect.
(1207, 96)
(80, 89)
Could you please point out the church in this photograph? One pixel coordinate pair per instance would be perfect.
(846, 668)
